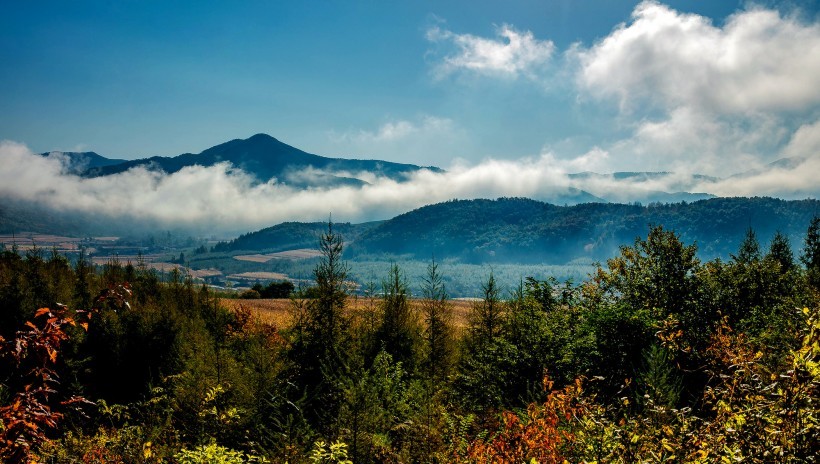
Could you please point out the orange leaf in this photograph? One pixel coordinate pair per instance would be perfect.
(42, 311)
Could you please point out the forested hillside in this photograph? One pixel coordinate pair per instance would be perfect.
(527, 231)
(658, 357)
(290, 235)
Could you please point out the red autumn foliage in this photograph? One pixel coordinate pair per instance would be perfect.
(36, 409)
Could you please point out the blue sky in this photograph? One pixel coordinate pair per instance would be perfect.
(374, 79)
(510, 98)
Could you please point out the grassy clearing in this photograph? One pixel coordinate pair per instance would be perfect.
(278, 311)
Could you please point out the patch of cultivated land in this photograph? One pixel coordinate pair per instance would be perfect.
(259, 276)
(147, 260)
(161, 267)
(293, 255)
(29, 240)
(278, 311)
(202, 273)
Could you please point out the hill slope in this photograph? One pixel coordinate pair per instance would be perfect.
(292, 235)
(520, 230)
(528, 231)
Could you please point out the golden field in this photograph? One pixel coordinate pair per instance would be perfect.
(278, 311)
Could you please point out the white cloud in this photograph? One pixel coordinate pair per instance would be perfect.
(397, 130)
(794, 182)
(699, 97)
(512, 54)
(805, 142)
(690, 94)
(222, 199)
(693, 141)
(425, 140)
(758, 61)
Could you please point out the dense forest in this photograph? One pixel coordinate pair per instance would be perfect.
(525, 231)
(656, 357)
(289, 236)
(521, 230)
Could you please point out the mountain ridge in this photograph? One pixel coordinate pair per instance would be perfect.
(268, 158)
(522, 230)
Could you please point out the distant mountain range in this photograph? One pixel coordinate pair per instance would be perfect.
(80, 163)
(519, 230)
(260, 155)
(267, 158)
(475, 230)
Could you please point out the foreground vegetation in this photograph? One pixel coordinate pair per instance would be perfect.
(657, 357)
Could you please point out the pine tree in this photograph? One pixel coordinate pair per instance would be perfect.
(659, 378)
(82, 287)
(780, 252)
(438, 350)
(749, 251)
(811, 253)
(321, 344)
(488, 359)
(487, 315)
(438, 331)
(398, 333)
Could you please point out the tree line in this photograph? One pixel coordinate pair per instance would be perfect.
(657, 356)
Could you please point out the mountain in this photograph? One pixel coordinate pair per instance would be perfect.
(636, 176)
(292, 235)
(789, 163)
(81, 162)
(520, 230)
(266, 158)
(636, 194)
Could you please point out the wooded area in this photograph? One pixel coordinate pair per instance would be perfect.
(656, 357)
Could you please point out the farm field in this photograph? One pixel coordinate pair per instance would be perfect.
(29, 240)
(259, 275)
(278, 311)
(303, 253)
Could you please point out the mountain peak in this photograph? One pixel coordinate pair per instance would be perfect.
(261, 137)
(266, 157)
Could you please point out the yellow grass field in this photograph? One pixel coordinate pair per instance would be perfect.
(277, 311)
(302, 253)
(258, 276)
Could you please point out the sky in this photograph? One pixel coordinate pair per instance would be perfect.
(536, 89)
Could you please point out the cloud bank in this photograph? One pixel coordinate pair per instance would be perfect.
(423, 139)
(687, 94)
(224, 200)
(758, 61)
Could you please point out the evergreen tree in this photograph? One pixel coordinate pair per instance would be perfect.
(398, 333)
(747, 274)
(13, 312)
(486, 316)
(780, 252)
(749, 251)
(525, 329)
(659, 379)
(321, 345)
(438, 330)
(487, 358)
(811, 253)
(82, 288)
